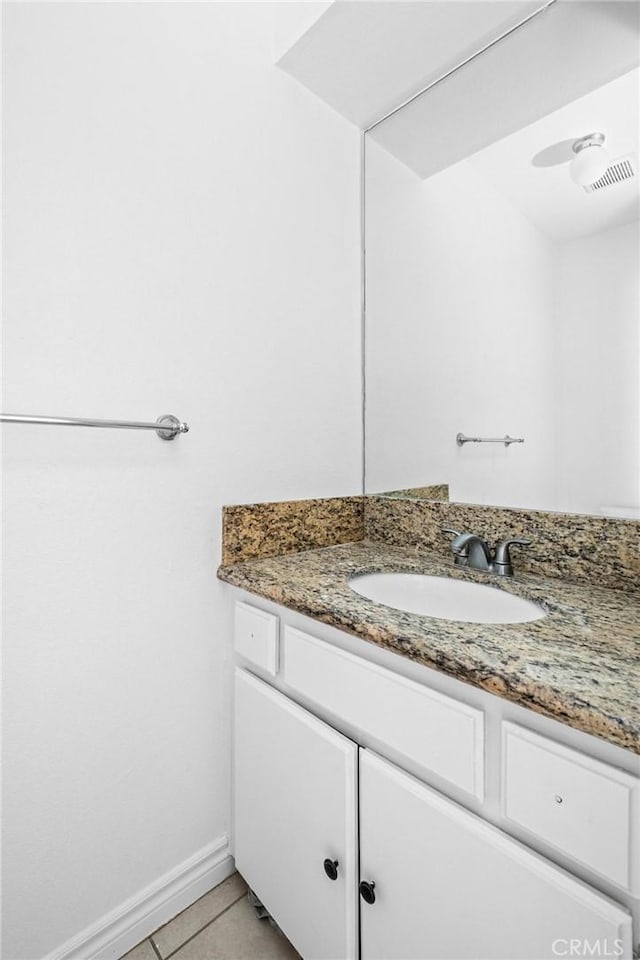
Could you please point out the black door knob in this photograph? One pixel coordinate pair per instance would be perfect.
(367, 891)
(331, 869)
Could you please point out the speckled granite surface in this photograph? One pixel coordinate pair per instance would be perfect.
(436, 491)
(269, 529)
(571, 546)
(579, 665)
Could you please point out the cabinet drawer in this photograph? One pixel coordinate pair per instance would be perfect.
(256, 636)
(583, 807)
(438, 734)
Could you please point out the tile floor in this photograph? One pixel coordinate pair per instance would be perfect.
(222, 925)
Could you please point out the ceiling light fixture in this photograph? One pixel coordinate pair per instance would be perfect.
(591, 160)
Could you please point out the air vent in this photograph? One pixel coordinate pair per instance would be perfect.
(624, 168)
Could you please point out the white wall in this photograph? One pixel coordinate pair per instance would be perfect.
(181, 236)
(459, 337)
(598, 330)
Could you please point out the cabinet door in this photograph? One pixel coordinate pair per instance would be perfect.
(295, 806)
(449, 885)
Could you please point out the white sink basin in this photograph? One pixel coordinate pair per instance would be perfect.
(445, 598)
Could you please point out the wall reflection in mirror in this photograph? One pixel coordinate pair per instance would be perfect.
(502, 293)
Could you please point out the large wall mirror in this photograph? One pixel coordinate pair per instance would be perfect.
(502, 250)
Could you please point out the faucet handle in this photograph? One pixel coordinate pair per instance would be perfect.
(503, 556)
(456, 533)
(458, 545)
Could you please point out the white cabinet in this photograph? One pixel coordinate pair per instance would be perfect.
(450, 885)
(295, 807)
(446, 883)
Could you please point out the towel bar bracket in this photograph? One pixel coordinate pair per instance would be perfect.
(172, 427)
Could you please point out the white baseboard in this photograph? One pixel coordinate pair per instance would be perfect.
(117, 932)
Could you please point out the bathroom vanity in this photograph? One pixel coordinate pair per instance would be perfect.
(405, 797)
(409, 787)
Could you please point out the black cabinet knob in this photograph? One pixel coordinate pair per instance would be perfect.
(331, 869)
(367, 891)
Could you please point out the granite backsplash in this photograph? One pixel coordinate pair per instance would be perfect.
(575, 547)
(254, 530)
(583, 549)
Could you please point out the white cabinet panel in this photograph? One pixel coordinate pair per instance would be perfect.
(295, 806)
(256, 636)
(436, 732)
(579, 805)
(448, 885)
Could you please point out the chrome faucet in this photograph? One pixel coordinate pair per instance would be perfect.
(470, 550)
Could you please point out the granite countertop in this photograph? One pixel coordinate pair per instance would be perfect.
(580, 664)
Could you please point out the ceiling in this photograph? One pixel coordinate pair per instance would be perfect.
(564, 53)
(570, 70)
(545, 194)
(363, 57)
